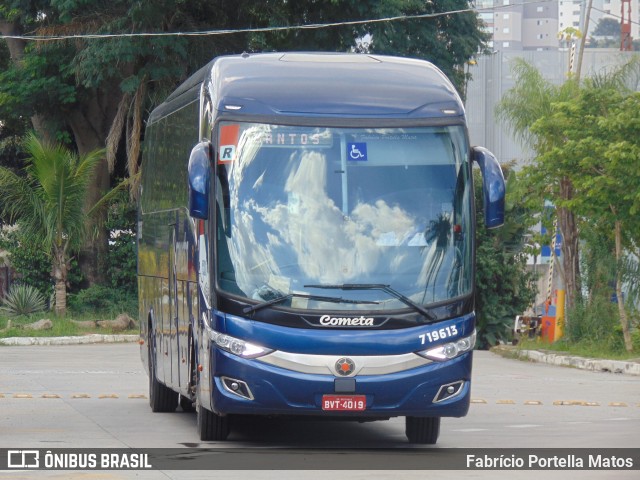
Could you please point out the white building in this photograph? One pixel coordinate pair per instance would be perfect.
(535, 24)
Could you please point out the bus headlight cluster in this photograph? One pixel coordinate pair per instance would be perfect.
(236, 346)
(450, 350)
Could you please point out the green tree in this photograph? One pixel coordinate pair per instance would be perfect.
(608, 27)
(49, 203)
(531, 99)
(598, 127)
(88, 92)
(587, 158)
(505, 286)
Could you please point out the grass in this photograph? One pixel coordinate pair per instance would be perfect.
(62, 327)
(580, 349)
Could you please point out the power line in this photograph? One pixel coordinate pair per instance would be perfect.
(314, 26)
(613, 15)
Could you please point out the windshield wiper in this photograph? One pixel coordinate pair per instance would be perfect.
(379, 286)
(283, 297)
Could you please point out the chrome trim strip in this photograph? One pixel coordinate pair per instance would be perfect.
(325, 364)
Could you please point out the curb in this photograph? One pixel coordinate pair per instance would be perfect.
(85, 339)
(591, 364)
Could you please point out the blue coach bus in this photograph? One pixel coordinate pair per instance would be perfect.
(306, 242)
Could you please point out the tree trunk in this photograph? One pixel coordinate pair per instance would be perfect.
(570, 246)
(61, 298)
(59, 274)
(624, 320)
(90, 123)
(16, 45)
(16, 48)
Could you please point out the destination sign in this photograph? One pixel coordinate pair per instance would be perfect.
(287, 137)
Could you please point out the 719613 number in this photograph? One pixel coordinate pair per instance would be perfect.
(439, 334)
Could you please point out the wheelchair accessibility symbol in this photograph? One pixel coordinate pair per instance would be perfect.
(357, 151)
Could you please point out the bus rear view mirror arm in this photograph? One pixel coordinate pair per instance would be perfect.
(493, 187)
(199, 180)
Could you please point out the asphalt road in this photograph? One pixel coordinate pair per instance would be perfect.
(95, 396)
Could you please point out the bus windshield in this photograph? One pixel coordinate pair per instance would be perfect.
(303, 212)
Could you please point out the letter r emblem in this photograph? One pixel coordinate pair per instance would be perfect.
(227, 153)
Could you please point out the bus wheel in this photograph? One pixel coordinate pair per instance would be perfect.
(187, 404)
(422, 429)
(210, 425)
(161, 397)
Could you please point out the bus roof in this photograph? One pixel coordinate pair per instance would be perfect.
(327, 85)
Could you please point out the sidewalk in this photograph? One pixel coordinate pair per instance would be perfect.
(79, 340)
(628, 367)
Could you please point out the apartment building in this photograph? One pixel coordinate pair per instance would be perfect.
(517, 25)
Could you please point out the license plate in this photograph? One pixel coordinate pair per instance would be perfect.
(344, 403)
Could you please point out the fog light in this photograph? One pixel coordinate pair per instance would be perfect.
(237, 387)
(448, 391)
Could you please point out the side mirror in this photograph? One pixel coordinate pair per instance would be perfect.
(199, 180)
(493, 186)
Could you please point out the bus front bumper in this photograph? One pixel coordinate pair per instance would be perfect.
(434, 389)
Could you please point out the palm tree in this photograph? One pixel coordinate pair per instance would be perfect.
(531, 99)
(49, 203)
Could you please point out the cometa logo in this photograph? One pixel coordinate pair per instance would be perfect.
(328, 321)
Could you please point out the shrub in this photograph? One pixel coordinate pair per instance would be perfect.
(31, 264)
(23, 300)
(594, 322)
(121, 261)
(505, 288)
(99, 299)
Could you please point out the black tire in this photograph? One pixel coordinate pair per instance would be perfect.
(423, 430)
(211, 426)
(161, 397)
(186, 404)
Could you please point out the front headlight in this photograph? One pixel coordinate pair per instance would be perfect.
(450, 350)
(236, 346)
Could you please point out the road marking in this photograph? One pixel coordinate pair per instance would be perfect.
(574, 403)
(471, 430)
(141, 396)
(531, 425)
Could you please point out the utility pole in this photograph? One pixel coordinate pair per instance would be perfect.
(583, 40)
(626, 44)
